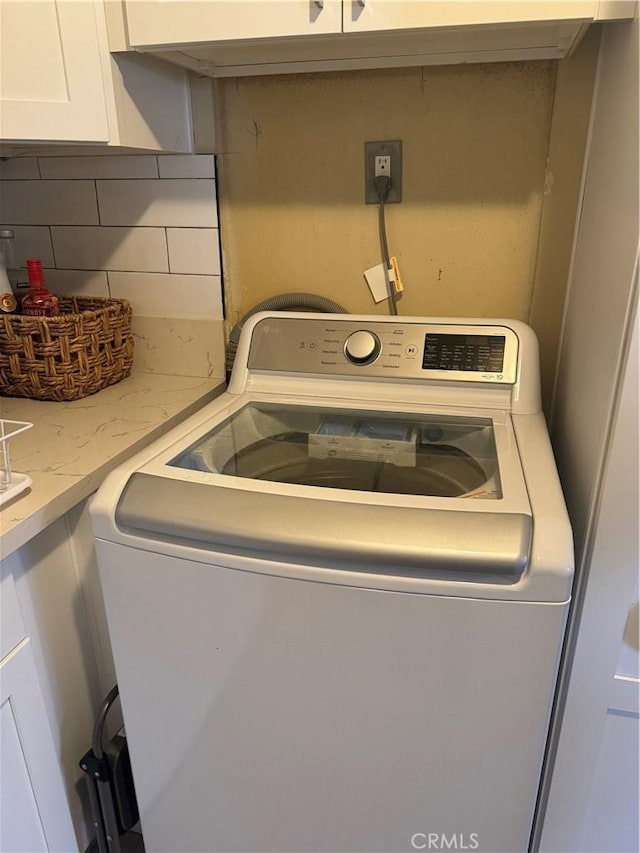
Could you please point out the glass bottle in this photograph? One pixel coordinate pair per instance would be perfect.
(8, 302)
(39, 302)
(18, 277)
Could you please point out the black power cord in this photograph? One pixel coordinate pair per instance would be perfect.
(383, 185)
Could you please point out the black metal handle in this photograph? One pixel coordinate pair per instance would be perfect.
(98, 728)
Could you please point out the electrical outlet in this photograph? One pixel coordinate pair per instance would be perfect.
(382, 165)
(383, 158)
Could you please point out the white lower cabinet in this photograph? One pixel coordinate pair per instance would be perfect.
(33, 804)
(56, 670)
(21, 827)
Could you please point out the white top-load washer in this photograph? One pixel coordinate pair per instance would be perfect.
(337, 594)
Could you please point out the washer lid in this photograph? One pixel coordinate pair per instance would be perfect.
(417, 494)
(385, 452)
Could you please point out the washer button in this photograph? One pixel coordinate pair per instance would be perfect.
(362, 347)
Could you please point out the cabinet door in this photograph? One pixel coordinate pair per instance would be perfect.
(163, 23)
(35, 814)
(370, 15)
(51, 85)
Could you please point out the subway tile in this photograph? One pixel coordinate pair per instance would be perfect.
(19, 168)
(194, 250)
(95, 248)
(32, 241)
(186, 166)
(106, 166)
(182, 202)
(77, 282)
(49, 202)
(155, 295)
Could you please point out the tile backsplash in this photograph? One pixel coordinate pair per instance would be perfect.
(144, 228)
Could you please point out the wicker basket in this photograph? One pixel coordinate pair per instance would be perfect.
(88, 347)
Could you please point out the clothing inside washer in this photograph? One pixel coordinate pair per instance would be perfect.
(431, 455)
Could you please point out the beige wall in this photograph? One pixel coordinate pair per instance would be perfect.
(476, 142)
(571, 112)
(291, 184)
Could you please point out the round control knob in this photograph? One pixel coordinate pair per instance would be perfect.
(361, 347)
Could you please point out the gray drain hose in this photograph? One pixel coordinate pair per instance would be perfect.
(282, 302)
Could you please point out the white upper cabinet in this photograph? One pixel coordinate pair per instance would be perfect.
(375, 15)
(222, 38)
(152, 23)
(50, 72)
(60, 84)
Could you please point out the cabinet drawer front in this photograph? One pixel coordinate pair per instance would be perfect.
(12, 629)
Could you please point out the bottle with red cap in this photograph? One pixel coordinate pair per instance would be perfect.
(38, 301)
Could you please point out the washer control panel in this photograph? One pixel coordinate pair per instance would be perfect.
(404, 349)
(484, 353)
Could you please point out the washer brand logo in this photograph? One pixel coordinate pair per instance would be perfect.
(441, 841)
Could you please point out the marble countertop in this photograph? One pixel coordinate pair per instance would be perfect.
(73, 446)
